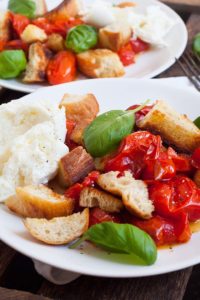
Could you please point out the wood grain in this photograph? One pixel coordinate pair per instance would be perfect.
(6, 294)
(184, 5)
(168, 287)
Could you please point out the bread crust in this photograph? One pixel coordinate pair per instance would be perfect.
(39, 57)
(67, 9)
(92, 197)
(5, 26)
(39, 202)
(58, 231)
(100, 63)
(41, 7)
(82, 110)
(174, 128)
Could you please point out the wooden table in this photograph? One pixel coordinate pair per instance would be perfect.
(19, 280)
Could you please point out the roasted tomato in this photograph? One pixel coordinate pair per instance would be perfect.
(141, 113)
(139, 46)
(196, 158)
(62, 68)
(98, 215)
(127, 55)
(19, 23)
(179, 194)
(16, 44)
(70, 127)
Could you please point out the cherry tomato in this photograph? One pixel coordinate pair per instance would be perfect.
(196, 158)
(165, 231)
(70, 127)
(97, 216)
(16, 44)
(126, 55)
(182, 162)
(141, 113)
(91, 179)
(19, 23)
(139, 46)
(2, 45)
(180, 194)
(62, 68)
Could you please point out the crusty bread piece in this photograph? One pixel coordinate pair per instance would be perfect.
(114, 36)
(82, 110)
(134, 193)
(67, 9)
(5, 24)
(92, 197)
(39, 202)
(174, 128)
(41, 7)
(59, 231)
(55, 42)
(33, 33)
(197, 178)
(75, 166)
(37, 64)
(100, 63)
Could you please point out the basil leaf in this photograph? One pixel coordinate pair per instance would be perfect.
(23, 7)
(197, 122)
(12, 63)
(122, 239)
(196, 44)
(81, 38)
(107, 130)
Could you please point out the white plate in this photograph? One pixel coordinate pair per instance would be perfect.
(148, 65)
(111, 94)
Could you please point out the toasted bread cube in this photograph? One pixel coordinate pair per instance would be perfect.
(5, 26)
(55, 42)
(67, 9)
(37, 64)
(82, 110)
(100, 63)
(174, 128)
(39, 202)
(41, 7)
(59, 231)
(114, 36)
(33, 33)
(75, 166)
(92, 197)
(134, 193)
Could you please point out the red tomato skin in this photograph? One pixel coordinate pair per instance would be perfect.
(16, 44)
(62, 68)
(19, 23)
(139, 115)
(126, 55)
(70, 127)
(97, 216)
(196, 158)
(139, 46)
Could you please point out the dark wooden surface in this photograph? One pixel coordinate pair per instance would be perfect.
(19, 280)
(186, 5)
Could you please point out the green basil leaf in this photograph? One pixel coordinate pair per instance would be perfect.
(106, 132)
(122, 239)
(81, 38)
(196, 44)
(197, 122)
(12, 63)
(23, 7)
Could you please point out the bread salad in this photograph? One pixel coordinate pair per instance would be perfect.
(96, 41)
(125, 180)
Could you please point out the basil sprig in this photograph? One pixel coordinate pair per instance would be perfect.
(122, 239)
(23, 7)
(12, 63)
(107, 130)
(197, 122)
(196, 44)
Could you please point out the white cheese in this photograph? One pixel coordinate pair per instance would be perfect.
(32, 139)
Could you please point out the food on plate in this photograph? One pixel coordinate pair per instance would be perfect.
(100, 63)
(176, 129)
(80, 110)
(58, 231)
(12, 63)
(74, 166)
(196, 44)
(39, 202)
(96, 40)
(38, 61)
(144, 194)
(134, 193)
(91, 197)
(115, 36)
